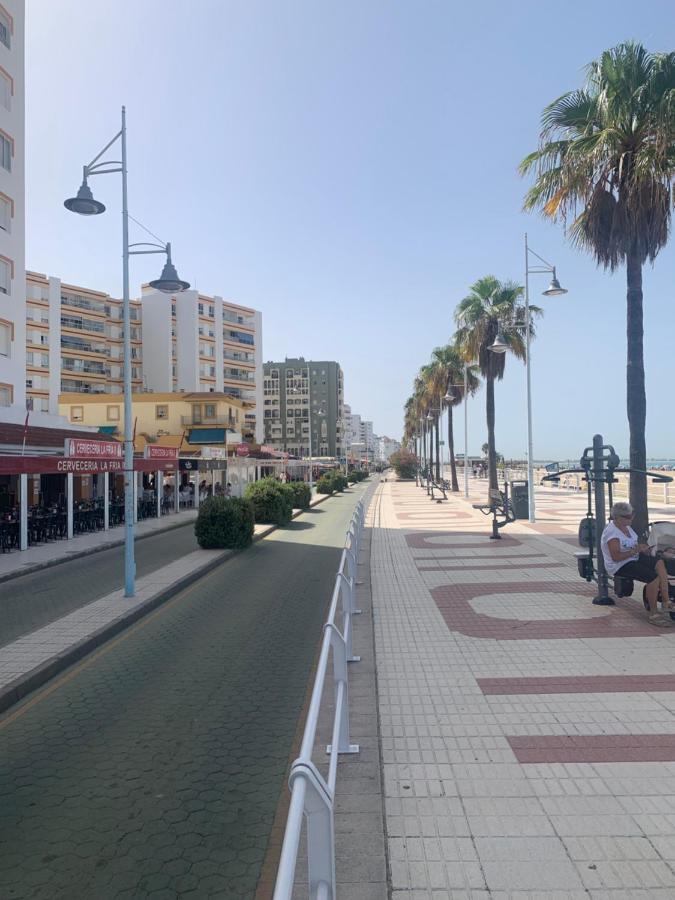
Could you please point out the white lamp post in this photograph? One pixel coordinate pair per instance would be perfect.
(500, 346)
(85, 205)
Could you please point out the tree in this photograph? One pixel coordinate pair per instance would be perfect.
(609, 151)
(492, 307)
(448, 367)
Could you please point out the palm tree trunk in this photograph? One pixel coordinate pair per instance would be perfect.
(438, 451)
(490, 416)
(451, 451)
(636, 401)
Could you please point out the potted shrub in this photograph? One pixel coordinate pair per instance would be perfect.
(224, 522)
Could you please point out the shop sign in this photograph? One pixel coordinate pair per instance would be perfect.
(154, 451)
(189, 465)
(214, 453)
(80, 448)
(242, 449)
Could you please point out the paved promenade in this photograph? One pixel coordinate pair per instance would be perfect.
(528, 737)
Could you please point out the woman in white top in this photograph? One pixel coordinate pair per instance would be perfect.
(624, 555)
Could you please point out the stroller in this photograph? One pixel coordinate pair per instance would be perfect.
(661, 539)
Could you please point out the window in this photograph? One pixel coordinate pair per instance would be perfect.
(162, 411)
(76, 413)
(5, 213)
(29, 383)
(44, 404)
(5, 152)
(112, 413)
(209, 411)
(5, 28)
(200, 309)
(5, 275)
(6, 394)
(6, 337)
(5, 89)
(44, 360)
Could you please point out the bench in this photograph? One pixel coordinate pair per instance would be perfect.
(498, 505)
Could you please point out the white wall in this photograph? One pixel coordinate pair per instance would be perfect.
(12, 184)
(187, 341)
(218, 329)
(156, 323)
(259, 424)
(54, 344)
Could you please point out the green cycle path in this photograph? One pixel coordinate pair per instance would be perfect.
(154, 767)
(36, 599)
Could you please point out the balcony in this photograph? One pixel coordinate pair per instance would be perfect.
(84, 303)
(90, 368)
(83, 324)
(203, 422)
(82, 387)
(72, 343)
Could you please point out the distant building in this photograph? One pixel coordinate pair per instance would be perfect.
(367, 438)
(192, 342)
(385, 447)
(299, 395)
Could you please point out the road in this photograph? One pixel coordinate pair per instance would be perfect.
(153, 768)
(34, 600)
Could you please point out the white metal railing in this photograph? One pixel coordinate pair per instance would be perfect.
(312, 795)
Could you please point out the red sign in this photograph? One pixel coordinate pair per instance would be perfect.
(50, 465)
(153, 451)
(80, 448)
(242, 449)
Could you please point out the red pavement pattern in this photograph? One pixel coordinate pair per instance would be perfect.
(579, 684)
(594, 748)
(625, 620)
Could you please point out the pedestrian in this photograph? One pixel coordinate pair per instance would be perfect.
(228, 490)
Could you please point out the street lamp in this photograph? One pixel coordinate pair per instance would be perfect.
(553, 290)
(84, 204)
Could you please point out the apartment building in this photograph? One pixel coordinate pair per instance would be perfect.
(385, 447)
(300, 395)
(194, 342)
(12, 212)
(368, 439)
(74, 342)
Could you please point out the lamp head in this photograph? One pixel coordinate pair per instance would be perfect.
(448, 397)
(554, 289)
(499, 345)
(84, 203)
(169, 282)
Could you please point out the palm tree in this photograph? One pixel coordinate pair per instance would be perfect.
(449, 378)
(609, 151)
(493, 307)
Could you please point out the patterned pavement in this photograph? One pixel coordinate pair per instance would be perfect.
(528, 737)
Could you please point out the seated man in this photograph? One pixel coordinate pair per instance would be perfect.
(624, 555)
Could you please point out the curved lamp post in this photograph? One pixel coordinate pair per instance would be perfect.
(85, 205)
(500, 346)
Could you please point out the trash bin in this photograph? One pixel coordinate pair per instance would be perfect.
(520, 499)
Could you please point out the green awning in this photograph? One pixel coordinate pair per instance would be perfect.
(107, 429)
(207, 436)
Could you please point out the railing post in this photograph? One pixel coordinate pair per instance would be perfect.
(341, 677)
(347, 586)
(320, 829)
(666, 493)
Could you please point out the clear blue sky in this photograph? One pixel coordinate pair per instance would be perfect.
(348, 168)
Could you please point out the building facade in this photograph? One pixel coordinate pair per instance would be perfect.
(385, 447)
(169, 419)
(12, 212)
(74, 342)
(367, 438)
(193, 342)
(301, 396)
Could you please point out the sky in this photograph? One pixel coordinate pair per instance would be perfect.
(350, 169)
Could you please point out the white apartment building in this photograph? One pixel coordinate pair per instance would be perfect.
(385, 447)
(352, 428)
(367, 438)
(12, 213)
(193, 342)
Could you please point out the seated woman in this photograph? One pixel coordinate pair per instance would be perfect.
(624, 555)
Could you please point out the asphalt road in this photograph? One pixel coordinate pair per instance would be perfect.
(153, 768)
(34, 600)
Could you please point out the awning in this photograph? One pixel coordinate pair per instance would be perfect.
(206, 436)
(107, 429)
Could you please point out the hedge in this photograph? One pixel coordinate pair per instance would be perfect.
(272, 504)
(224, 522)
(300, 494)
